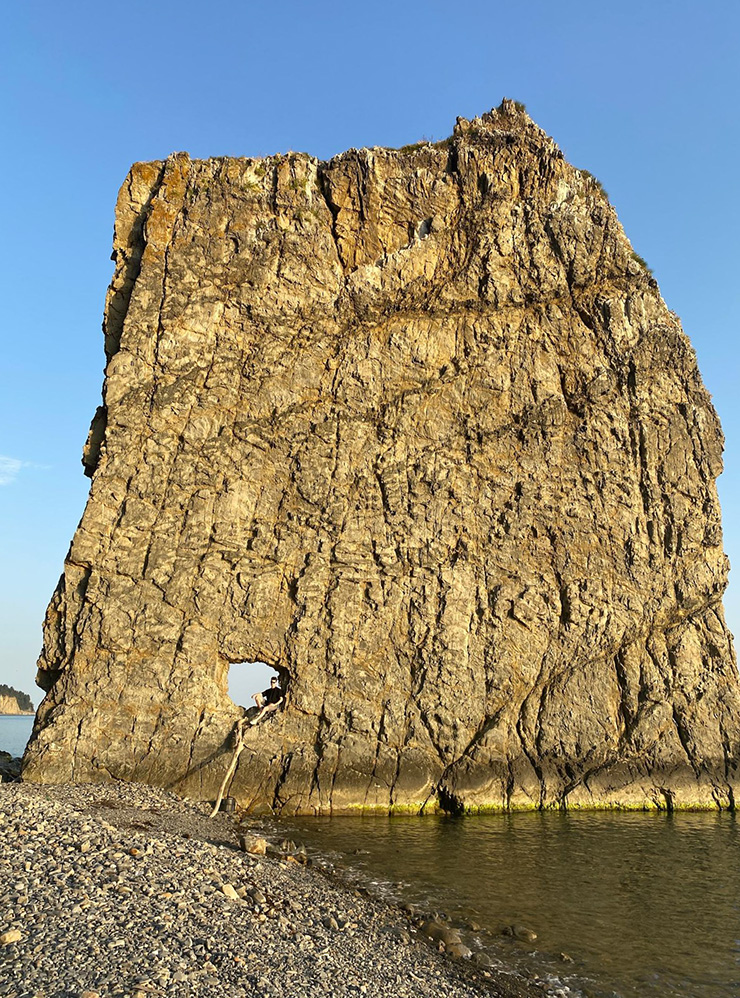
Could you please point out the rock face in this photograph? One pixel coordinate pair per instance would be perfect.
(12, 701)
(9, 705)
(416, 428)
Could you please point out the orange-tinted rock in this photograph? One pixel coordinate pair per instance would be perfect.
(416, 428)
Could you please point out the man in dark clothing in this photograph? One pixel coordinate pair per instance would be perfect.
(268, 700)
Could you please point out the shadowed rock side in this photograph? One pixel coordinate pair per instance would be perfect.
(415, 427)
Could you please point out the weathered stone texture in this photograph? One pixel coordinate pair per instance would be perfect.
(417, 428)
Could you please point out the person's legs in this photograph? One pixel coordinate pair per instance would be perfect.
(269, 708)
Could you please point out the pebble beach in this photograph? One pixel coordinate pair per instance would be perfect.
(121, 889)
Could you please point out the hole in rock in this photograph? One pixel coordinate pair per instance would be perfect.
(246, 678)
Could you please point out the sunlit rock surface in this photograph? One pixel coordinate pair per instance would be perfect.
(415, 427)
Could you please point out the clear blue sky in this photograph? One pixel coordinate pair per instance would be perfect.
(644, 95)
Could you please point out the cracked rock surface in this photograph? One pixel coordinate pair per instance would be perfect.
(416, 428)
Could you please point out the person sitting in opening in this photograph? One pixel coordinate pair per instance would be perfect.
(268, 701)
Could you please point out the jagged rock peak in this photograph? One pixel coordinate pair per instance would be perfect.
(416, 428)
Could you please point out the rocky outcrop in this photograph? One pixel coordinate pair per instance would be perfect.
(9, 705)
(416, 428)
(12, 701)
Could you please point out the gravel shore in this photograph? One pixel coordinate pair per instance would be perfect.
(120, 889)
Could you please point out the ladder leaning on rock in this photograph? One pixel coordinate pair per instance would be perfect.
(239, 733)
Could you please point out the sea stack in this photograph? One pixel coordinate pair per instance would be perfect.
(416, 428)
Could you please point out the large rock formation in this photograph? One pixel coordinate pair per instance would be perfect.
(416, 428)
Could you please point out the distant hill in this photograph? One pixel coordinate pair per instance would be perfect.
(14, 702)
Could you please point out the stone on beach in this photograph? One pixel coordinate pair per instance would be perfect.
(254, 844)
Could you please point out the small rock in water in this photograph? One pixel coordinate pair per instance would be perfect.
(565, 958)
(441, 933)
(520, 932)
(459, 951)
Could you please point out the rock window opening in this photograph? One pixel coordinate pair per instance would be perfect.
(246, 678)
(425, 227)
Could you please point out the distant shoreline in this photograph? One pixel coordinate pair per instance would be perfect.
(20, 713)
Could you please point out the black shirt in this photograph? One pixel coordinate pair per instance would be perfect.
(273, 695)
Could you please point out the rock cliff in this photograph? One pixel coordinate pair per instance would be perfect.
(12, 701)
(416, 428)
(9, 705)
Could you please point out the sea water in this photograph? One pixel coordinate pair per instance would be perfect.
(646, 905)
(15, 730)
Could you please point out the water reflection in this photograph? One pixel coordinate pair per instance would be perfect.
(646, 904)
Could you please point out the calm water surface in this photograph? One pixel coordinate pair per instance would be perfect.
(645, 904)
(15, 730)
